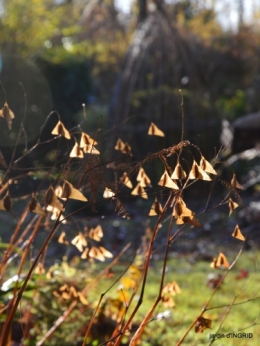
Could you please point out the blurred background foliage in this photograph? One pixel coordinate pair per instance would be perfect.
(129, 67)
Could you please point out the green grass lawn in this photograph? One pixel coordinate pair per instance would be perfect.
(193, 281)
(168, 324)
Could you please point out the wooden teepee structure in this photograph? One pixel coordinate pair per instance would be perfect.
(159, 62)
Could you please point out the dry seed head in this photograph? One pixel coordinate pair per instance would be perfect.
(178, 173)
(60, 130)
(7, 114)
(155, 131)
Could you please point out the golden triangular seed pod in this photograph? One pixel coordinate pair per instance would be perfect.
(206, 166)
(155, 131)
(86, 140)
(35, 207)
(76, 151)
(166, 181)
(60, 130)
(52, 200)
(7, 114)
(237, 234)
(156, 208)
(126, 181)
(197, 173)
(235, 184)
(69, 191)
(139, 191)
(178, 173)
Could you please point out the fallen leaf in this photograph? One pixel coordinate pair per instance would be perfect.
(242, 275)
(202, 324)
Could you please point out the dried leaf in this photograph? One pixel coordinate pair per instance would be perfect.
(139, 191)
(237, 234)
(155, 131)
(232, 206)
(127, 282)
(214, 282)
(243, 274)
(35, 207)
(166, 181)
(7, 114)
(86, 140)
(206, 166)
(178, 173)
(61, 130)
(202, 324)
(52, 200)
(79, 241)
(156, 208)
(108, 193)
(69, 191)
(126, 181)
(76, 151)
(197, 173)
(235, 184)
